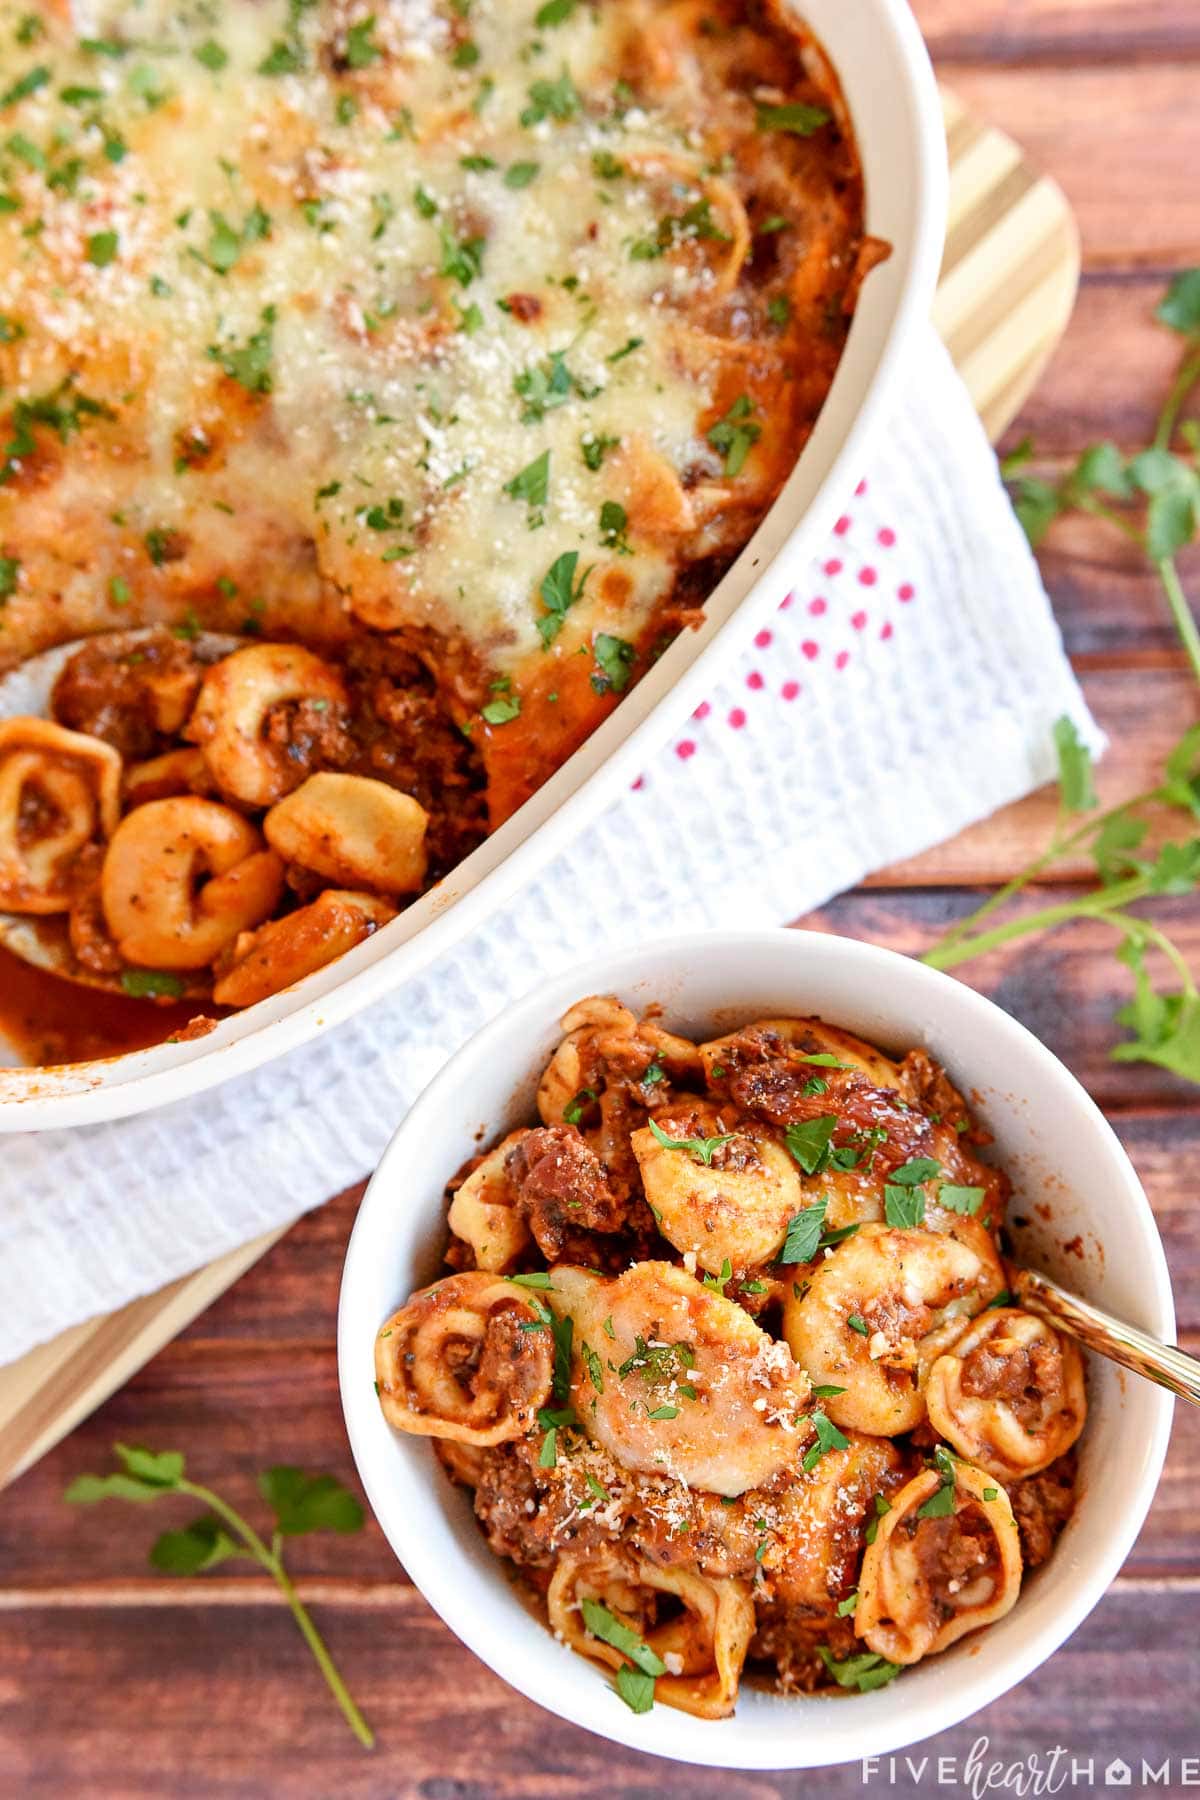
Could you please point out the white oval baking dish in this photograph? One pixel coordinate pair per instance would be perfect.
(892, 97)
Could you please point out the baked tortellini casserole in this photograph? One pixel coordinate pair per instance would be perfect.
(446, 353)
(726, 1354)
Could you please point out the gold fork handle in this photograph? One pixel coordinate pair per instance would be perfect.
(1099, 1331)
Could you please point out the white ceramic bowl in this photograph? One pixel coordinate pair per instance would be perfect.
(1049, 1135)
(889, 88)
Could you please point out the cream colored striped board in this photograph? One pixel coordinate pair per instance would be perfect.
(1007, 287)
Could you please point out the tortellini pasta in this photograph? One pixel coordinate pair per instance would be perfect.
(59, 791)
(699, 1652)
(673, 1378)
(1008, 1394)
(182, 878)
(935, 1572)
(468, 1359)
(354, 831)
(735, 1207)
(864, 1319)
(484, 1211)
(231, 716)
(283, 951)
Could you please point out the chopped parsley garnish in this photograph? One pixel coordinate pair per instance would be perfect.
(559, 591)
(904, 1207)
(613, 521)
(211, 55)
(250, 363)
(424, 202)
(466, 55)
(547, 385)
(827, 1392)
(594, 1367)
(664, 1412)
(991, 1493)
(554, 12)
(966, 1200)
(151, 984)
(361, 48)
(882, 1506)
(734, 435)
(607, 166)
(718, 1283)
(462, 259)
(657, 1362)
(779, 310)
(700, 1149)
(533, 483)
(940, 1503)
(26, 84)
(627, 349)
(102, 247)
(502, 710)
(828, 1438)
(796, 117)
(921, 1168)
(804, 1234)
(856, 1322)
(64, 409)
(846, 1608)
(562, 1331)
(595, 449)
(605, 1625)
(551, 100)
(808, 1141)
(10, 569)
(520, 174)
(574, 1109)
(863, 1672)
(613, 671)
(538, 1278)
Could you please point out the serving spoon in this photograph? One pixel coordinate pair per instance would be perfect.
(1096, 1330)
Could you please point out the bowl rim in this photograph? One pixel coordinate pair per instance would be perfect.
(41, 1099)
(878, 1729)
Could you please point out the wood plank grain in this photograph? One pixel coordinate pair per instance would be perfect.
(1109, 376)
(1065, 985)
(1122, 147)
(1048, 32)
(235, 1687)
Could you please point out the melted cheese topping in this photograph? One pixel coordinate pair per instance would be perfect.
(480, 321)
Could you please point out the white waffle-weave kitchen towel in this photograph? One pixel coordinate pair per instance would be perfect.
(904, 689)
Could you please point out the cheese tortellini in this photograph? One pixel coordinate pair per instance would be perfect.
(772, 1407)
(870, 1315)
(673, 1378)
(934, 1573)
(1008, 1394)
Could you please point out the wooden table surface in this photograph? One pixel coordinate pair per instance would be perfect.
(114, 1681)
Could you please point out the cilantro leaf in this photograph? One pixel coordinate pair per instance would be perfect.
(796, 117)
(965, 1200)
(303, 1503)
(804, 1234)
(808, 1141)
(201, 1545)
(1180, 306)
(904, 1207)
(614, 663)
(863, 1672)
(828, 1438)
(560, 591)
(701, 1149)
(1075, 787)
(604, 1624)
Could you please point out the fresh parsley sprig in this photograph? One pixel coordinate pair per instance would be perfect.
(1153, 499)
(701, 1149)
(300, 1503)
